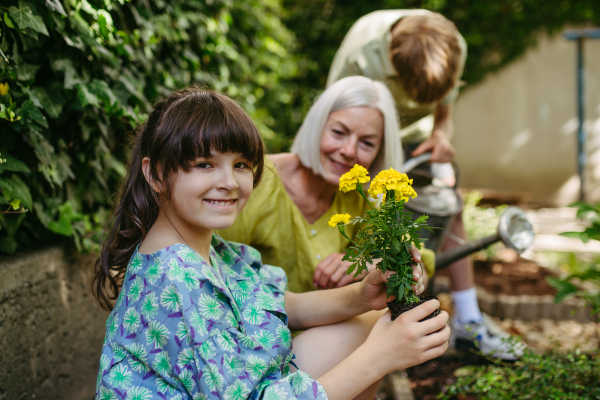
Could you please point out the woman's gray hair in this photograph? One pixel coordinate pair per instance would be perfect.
(352, 91)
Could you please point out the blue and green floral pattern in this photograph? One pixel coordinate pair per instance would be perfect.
(183, 329)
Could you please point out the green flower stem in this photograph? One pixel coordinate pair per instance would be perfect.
(359, 189)
(342, 229)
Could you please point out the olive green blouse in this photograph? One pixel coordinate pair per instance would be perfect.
(273, 224)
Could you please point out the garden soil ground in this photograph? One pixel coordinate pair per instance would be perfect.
(511, 275)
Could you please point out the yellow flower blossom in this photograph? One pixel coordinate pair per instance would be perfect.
(4, 88)
(392, 180)
(339, 219)
(358, 174)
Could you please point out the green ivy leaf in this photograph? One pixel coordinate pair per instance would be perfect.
(26, 72)
(51, 101)
(12, 164)
(24, 18)
(102, 91)
(21, 191)
(62, 226)
(28, 110)
(86, 97)
(15, 204)
(56, 6)
(71, 76)
(8, 21)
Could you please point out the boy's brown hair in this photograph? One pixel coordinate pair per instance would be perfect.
(426, 55)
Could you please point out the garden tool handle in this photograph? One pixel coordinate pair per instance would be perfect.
(448, 257)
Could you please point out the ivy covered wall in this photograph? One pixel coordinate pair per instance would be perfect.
(77, 75)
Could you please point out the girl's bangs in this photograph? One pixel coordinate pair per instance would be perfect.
(210, 123)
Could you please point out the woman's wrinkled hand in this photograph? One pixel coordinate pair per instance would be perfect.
(331, 272)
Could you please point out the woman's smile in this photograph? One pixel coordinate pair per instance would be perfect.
(341, 167)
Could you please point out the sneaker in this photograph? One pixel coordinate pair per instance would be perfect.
(487, 337)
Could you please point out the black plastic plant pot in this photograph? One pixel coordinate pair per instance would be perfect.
(397, 308)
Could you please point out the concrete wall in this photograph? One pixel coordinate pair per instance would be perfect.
(51, 332)
(517, 130)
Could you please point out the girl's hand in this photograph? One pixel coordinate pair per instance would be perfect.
(399, 344)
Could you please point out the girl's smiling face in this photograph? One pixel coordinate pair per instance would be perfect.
(211, 194)
(351, 136)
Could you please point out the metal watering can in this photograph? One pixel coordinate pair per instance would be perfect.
(442, 204)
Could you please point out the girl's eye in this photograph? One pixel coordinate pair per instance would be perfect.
(242, 165)
(203, 165)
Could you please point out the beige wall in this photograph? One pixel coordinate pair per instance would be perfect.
(517, 130)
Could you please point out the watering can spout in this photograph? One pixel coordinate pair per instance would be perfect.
(441, 204)
(514, 230)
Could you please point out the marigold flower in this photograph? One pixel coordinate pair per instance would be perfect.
(4, 88)
(358, 174)
(339, 219)
(392, 180)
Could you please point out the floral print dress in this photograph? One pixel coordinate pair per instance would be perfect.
(183, 329)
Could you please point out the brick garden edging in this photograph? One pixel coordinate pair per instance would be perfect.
(51, 332)
(525, 307)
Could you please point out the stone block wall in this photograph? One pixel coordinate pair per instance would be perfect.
(51, 331)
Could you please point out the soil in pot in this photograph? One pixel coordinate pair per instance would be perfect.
(397, 308)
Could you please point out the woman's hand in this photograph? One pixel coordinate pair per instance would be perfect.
(332, 272)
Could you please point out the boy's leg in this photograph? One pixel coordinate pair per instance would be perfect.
(321, 348)
(468, 324)
(462, 282)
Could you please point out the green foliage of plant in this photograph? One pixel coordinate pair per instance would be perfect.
(77, 75)
(549, 376)
(591, 212)
(385, 235)
(497, 31)
(587, 274)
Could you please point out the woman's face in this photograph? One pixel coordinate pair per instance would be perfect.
(351, 136)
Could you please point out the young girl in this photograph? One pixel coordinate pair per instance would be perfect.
(197, 317)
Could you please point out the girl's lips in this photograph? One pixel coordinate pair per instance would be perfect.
(221, 203)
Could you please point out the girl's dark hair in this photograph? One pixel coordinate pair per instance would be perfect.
(185, 125)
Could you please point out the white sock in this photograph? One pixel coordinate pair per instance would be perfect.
(466, 307)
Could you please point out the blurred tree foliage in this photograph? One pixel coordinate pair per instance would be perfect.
(496, 31)
(77, 75)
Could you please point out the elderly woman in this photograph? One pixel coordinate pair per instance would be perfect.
(353, 122)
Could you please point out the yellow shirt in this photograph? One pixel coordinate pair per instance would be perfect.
(272, 224)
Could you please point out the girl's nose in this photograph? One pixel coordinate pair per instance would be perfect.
(226, 180)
